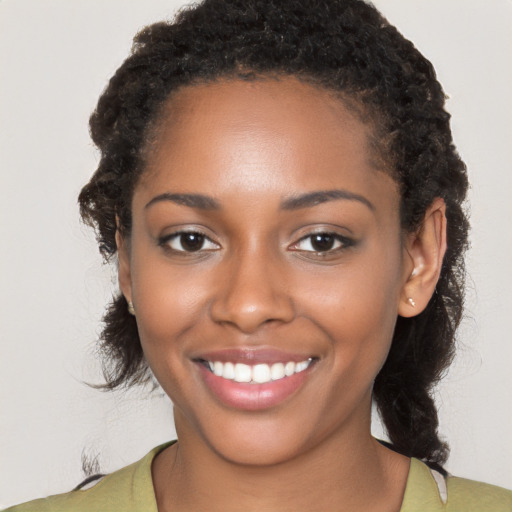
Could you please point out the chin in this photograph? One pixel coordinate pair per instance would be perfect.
(251, 439)
(259, 451)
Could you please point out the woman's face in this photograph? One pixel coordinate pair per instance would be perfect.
(266, 247)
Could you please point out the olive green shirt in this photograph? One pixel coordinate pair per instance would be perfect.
(131, 490)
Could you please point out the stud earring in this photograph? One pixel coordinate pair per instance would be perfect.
(410, 300)
(131, 309)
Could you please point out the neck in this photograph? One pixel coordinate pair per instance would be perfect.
(349, 471)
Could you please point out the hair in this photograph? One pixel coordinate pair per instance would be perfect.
(344, 46)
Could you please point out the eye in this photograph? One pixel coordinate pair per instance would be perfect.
(188, 241)
(322, 243)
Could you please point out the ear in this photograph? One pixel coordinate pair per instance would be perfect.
(425, 251)
(124, 270)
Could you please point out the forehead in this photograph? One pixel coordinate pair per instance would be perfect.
(260, 136)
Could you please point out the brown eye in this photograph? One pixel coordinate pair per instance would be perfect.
(191, 241)
(322, 242)
(188, 241)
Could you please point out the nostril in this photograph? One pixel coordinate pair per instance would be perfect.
(252, 296)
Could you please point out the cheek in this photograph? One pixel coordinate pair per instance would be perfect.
(166, 295)
(170, 301)
(356, 305)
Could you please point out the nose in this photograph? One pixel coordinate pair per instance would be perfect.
(252, 292)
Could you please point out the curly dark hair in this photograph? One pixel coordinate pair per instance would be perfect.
(345, 46)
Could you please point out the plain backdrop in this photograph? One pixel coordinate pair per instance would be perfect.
(55, 58)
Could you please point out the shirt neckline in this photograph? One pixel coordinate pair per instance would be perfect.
(420, 487)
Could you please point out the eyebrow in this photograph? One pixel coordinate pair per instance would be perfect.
(322, 196)
(192, 200)
(306, 200)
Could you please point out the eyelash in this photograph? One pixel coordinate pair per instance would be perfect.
(339, 243)
(167, 241)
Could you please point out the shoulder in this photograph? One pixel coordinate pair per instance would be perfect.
(428, 491)
(470, 496)
(128, 490)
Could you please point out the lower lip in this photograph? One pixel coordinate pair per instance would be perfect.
(253, 397)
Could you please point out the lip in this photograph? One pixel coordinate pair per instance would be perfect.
(251, 396)
(253, 356)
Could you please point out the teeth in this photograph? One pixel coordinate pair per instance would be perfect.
(218, 368)
(300, 367)
(277, 371)
(289, 368)
(229, 371)
(259, 373)
(243, 372)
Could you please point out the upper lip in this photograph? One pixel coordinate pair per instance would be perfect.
(252, 356)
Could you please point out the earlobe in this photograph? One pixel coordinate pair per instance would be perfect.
(425, 250)
(124, 273)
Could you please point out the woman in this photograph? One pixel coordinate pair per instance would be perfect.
(281, 189)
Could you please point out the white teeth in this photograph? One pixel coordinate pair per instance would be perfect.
(218, 368)
(243, 372)
(259, 373)
(277, 371)
(289, 368)
(229, 371)
(300, 367)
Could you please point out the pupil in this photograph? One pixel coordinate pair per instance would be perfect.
(192, 241)
(322, 242)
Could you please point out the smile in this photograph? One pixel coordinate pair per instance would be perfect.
(258, 373)
(254, 380)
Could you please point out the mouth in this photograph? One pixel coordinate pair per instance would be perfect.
(254, 380)
(260, 373)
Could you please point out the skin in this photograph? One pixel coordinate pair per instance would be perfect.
(252, 147)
